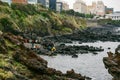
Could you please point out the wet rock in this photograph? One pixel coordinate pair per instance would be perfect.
(91, 34)
(62, 44)
(51, 71)
(109, 48)
(84, 52)
(112, 63)
(71, 50)
(72, 74)
(80, 42)
(95, 53)
(74, 56)
(88, 78)
(117, 50)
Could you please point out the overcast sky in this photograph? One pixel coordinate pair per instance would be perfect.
(110, 3)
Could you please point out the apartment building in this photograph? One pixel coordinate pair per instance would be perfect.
(80, 6)
(113, 16)
(97, 8)
(100, 8)
(20, 1)
(65, 6)
(92, 9)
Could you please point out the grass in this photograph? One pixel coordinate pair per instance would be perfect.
(41, 20)
(5, 75)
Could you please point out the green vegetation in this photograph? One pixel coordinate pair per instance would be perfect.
(77, 14)
(109, 22)
(28, 18)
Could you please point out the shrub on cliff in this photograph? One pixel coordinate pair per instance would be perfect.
(7, 25)
(37, 19)
(27, 9)
(3, 3)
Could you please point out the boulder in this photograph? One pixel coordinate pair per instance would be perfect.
(75, 56)
(31, 60)
(74, 75)
(112, 63)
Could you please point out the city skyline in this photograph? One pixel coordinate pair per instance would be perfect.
(110, 3)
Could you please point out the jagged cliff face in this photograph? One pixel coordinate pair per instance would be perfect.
(20, 63)
(112, 63)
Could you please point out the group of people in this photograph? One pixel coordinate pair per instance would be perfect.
(49, 45)
(40, 45)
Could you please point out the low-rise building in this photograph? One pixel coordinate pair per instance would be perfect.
(109, 10)
(80, 6)
(113, 16)
(20, 1)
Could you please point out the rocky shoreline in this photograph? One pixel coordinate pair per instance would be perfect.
(68, 49)
(20, 63)
(74, 50)
(90, 34)
(112, 63)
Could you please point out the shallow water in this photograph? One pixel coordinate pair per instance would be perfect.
(87, 64)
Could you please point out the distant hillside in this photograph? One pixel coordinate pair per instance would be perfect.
(20, 18)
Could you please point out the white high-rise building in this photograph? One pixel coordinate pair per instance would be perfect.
(97, 8)
(91, 9)
(100, 8)
(80, 6)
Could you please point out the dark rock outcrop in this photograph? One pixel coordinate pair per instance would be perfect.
(72, 50)
(91, 34)
(112, 63)
(74, 56)
(72, 74)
